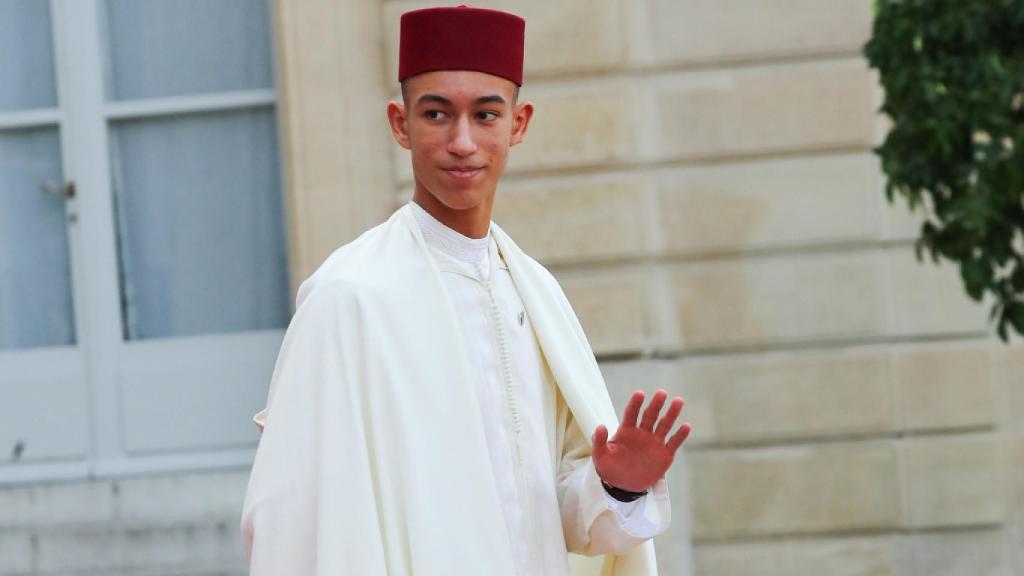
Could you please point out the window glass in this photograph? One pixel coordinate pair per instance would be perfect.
(200, 224)
(26, 56)
(35, 280)
(161, 48)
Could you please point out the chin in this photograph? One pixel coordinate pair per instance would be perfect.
(459, 198)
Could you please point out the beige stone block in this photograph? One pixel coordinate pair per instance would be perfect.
(929, 299)
(952, 481)
(709, 30)
(569, 35)
(179, 497)
(579, 123)
(204, 547)
(945, 387)
(699, 409)
(779, 299)
(334, 137)
(873, 556)
(404, 196)
(1014, 446)
(824, 488)
(759, 398)
(401, 167)
(624, 377)
(1013, 443)
(613, 307)
(750, 111)
(674, 545)
(981, 552)
(34, 506)
(1013, 384)
(768, 203)
(901, 223)
(577, 218)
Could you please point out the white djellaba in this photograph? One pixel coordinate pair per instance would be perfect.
(390, 447)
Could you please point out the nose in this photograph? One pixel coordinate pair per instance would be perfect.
(461, 143)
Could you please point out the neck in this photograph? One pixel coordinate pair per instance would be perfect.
(472, 222)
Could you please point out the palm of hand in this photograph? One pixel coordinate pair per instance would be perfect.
(639, 454)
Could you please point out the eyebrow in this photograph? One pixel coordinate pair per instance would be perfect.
(437, 99)
(492, 99)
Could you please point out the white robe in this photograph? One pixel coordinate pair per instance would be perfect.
(550, 492)
(374, 459)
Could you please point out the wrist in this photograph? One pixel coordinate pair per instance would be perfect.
(620, 494)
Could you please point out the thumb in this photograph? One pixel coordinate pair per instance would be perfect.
(600, 438)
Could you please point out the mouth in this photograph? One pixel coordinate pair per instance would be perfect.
(463, 172)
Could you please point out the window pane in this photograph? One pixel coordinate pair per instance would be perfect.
(26, 55)
(201, 226)
(162, 48)
(35, 285)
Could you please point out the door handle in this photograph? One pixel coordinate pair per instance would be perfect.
(66, 189)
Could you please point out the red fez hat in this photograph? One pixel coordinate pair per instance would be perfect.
(461, 38)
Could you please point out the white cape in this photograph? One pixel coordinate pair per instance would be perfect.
(373, 458)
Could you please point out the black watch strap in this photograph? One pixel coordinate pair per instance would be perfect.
(620, 494)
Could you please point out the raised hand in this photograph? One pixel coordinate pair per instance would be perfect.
(639, 454)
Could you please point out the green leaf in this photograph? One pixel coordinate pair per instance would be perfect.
(1017, 278)
(1015, 313)
(977, 275)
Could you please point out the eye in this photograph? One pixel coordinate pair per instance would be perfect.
(487, 116)
(434, 114)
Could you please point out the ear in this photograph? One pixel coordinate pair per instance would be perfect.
(399, 125)
(520, 122)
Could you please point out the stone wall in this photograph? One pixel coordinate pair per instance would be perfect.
(699, 176)
(155, 525)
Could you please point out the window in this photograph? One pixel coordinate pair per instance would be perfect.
(143, 283)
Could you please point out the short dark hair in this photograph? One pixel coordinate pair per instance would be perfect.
(405, 96)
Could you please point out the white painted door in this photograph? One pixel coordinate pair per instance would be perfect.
(168, 131)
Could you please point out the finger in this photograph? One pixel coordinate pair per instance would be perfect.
(679, 437)
(653, 410)
(669, 419)
(600, 438)
(632, 409)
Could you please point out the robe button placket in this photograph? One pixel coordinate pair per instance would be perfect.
(506, 367)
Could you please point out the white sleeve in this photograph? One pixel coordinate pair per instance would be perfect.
(594, 522)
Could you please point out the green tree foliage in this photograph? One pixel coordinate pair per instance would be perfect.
(953, 73)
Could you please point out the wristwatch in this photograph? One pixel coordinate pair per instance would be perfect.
(620, 494)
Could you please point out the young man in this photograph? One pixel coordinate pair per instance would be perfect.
(431, 406)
